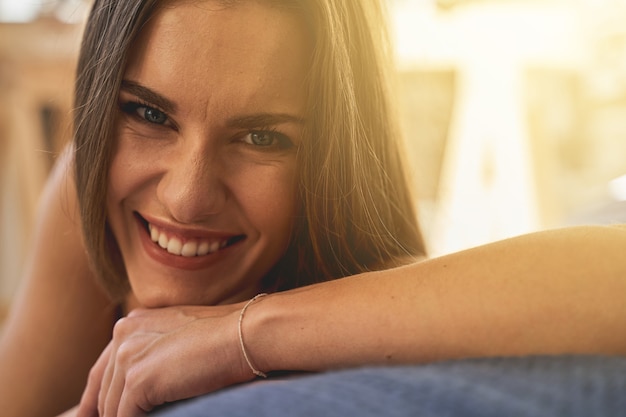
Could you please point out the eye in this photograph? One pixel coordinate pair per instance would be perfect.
(268, 139)
(262, 138)
(145, 113)
(152, 115)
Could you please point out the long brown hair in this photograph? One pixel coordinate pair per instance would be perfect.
(357, 209)
(358, 205)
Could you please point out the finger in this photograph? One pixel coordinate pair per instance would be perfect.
(123, 368)
(111, 398)
(88, 406)
(122, 330)
(105, 382)
(128, 407)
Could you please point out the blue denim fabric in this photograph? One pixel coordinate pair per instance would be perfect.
(568, 386)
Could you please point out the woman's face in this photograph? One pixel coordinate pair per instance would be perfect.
(202, 187)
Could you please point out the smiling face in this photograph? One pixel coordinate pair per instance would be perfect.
(202, 183)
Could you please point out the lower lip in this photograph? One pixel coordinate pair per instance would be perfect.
(165, 258)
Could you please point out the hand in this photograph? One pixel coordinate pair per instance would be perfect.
(163, 355)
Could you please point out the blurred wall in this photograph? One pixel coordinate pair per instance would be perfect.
(37, 62)
(521, 126)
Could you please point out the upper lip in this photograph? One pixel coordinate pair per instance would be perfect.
(186, 233)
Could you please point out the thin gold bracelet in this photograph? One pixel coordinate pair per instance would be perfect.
(243, 347)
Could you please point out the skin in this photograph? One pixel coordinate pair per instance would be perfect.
(190, 163)
(213, 159)
(44, 335)
(554, 292)
(551, 292)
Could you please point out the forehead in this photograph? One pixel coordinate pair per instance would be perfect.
(255, 24)
(216, 45)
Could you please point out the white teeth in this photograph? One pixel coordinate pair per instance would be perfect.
(163, 241)
(190, 248)
(175, 246)
(204, 248)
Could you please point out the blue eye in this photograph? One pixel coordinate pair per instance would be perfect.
(262, 138)
(268, 139)
(152, 115)
(145, 113)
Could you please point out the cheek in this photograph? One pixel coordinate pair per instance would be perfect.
(132, 164)
(129, 170)
(118, 188)
(271, 200)
(119, 184)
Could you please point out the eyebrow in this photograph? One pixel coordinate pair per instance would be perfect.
(149, 96)
(263, 119)
(242, 122)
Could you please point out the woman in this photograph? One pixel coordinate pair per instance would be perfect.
(256, 153)
(374, 224)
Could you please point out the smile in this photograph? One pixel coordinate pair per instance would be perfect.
(188, 248)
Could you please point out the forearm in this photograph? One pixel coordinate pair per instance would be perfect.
(552, 292)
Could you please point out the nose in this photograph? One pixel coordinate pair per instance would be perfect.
(192, 187)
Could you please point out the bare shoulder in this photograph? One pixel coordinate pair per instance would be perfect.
(60, 319)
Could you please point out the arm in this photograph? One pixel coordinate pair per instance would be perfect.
(561, 291)
(551, 292)
(60, 320)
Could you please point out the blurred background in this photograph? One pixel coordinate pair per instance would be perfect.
(514, 112)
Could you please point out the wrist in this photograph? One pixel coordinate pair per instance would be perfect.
(267, 334)
(256, 330)
(242, 343)
(284, 332)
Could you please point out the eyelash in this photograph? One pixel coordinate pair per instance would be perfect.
(280, 141)
(131, 108)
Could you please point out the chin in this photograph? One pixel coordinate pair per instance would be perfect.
(160, 296)
(163, 297)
